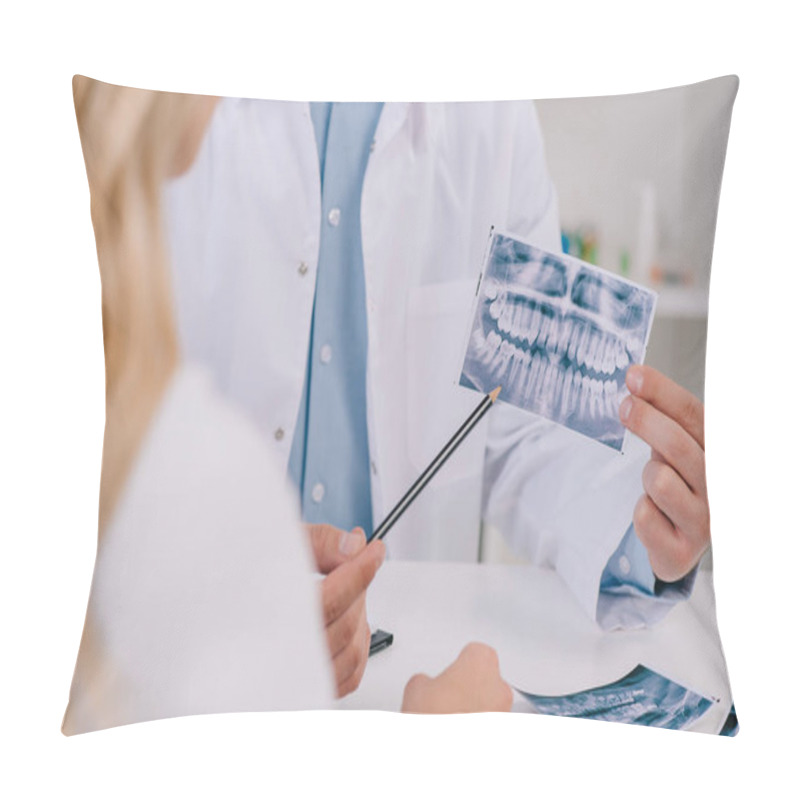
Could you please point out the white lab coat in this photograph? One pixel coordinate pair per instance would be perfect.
(203, 598)
(244, 228)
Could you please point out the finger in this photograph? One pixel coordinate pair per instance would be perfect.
(341, 631)
(480, 662)
(342, 586)
(685, 510)
(416, 688)
(666, 436)
(505, 698)
(333, 546)
(363, 656)
(669, 553)
(474, 659)
(668, 397)
(480, 653)
(353, 680)
(350, 664)
(656, 456)
(344, 666)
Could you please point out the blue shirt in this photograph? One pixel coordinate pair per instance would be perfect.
(630, 594)
(329, 461)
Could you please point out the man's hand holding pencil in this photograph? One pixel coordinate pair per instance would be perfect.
(349, 566)
(349, 563)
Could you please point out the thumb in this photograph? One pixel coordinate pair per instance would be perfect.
(333, 546)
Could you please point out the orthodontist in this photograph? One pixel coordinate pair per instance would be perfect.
(325, 258)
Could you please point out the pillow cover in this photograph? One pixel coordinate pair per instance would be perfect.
(289, 291)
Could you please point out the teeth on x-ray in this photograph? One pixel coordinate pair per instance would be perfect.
(558, 335)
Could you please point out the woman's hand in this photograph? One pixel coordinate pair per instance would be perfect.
(471, 683)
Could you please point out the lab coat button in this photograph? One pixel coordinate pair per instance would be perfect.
(318, 492)
(325, 354)
(279, 434)
(624, 565)
(372, 146)
(303, 268)
(373, 468)
(334, 215)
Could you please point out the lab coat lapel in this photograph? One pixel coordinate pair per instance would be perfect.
(392, 118)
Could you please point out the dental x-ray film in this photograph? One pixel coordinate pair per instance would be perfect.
(558, 335)
(642, 697)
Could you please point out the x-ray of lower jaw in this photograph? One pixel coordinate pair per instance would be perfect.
(558, 335)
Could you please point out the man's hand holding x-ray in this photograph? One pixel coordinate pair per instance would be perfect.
(672, 517)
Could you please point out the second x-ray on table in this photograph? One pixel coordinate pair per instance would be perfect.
(642, 697)
(558, 335)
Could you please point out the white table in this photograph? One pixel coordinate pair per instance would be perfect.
(546, 643)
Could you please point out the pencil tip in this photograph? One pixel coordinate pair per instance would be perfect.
(494, 394)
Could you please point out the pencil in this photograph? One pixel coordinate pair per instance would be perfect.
(420, 483)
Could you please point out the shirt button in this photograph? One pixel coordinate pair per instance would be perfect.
(325, 354)
(279, 434)
(372, 146)
(334, 215)
(624, 565)
(318, 492)
(303, 268)
(373, 468)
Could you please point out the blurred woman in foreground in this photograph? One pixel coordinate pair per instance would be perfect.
(203, 598)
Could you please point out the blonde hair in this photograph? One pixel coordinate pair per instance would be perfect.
(131, 139)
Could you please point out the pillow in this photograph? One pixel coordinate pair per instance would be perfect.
(293, 291)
